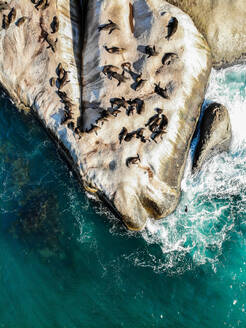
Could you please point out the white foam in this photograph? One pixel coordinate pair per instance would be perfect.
(209, 195)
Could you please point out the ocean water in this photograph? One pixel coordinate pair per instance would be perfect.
(66, 262)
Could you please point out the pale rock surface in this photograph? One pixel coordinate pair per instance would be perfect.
(223, 24)
(151, 187)
(215, 134)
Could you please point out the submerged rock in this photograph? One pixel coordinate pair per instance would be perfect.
(215, 135)
(144, 72)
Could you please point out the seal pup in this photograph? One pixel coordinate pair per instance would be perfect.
(52, 81)
(21, 21)
(114, 50)
(111, 26)
(122, 134)
(55, 25)
(150, 51)
(172, 27)
(132, 160)
(169, 58)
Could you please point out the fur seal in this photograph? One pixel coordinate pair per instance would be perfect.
(55, 24)
(21, 21)
(172, 27)
(111, 26)
(152, 119)
(114, 50)
(119, 102)
(5, 22)
(129, 136)
(155, 125)
(122, 134)
(51, 42)
(169, 58)
(12, 15)
(161, 92)
(150, 51)
(52, 81)
(63, 80)
(157, 134)
(163, 122)
(138, 84)
(111, 72)
(132, 160)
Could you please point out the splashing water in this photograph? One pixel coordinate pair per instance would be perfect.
(215, 197)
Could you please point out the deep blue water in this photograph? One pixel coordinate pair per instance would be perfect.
(66, 262)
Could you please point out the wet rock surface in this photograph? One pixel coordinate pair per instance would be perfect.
(144, 72)
(215, 135)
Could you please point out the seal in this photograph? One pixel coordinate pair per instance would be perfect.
(5, 22)
(163, 122)
(21, 21)
(150, 51)
(119, 102)
(12, 15)
(130, 135)
(172, 27)
(114, 50)
(152, 119)
(111, 26)
(138, 84)
(164, 93)
(132, 160)
(55, 25)
(169, 58)
(122, 134)
(52, 81)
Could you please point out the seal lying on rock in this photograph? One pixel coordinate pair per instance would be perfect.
(215, 135)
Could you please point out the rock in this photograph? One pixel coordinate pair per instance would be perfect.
(138, 174)
(223, 25)
(149, 186)
(215, 135)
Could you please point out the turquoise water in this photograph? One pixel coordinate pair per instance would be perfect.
(66, 262)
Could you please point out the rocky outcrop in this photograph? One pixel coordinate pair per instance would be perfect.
(215, 135)
(222, 22)
(160, 68)
(144, 72)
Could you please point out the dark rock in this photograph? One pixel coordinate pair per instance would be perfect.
(215, 135)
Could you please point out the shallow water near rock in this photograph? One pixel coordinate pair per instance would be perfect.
(65, 261)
